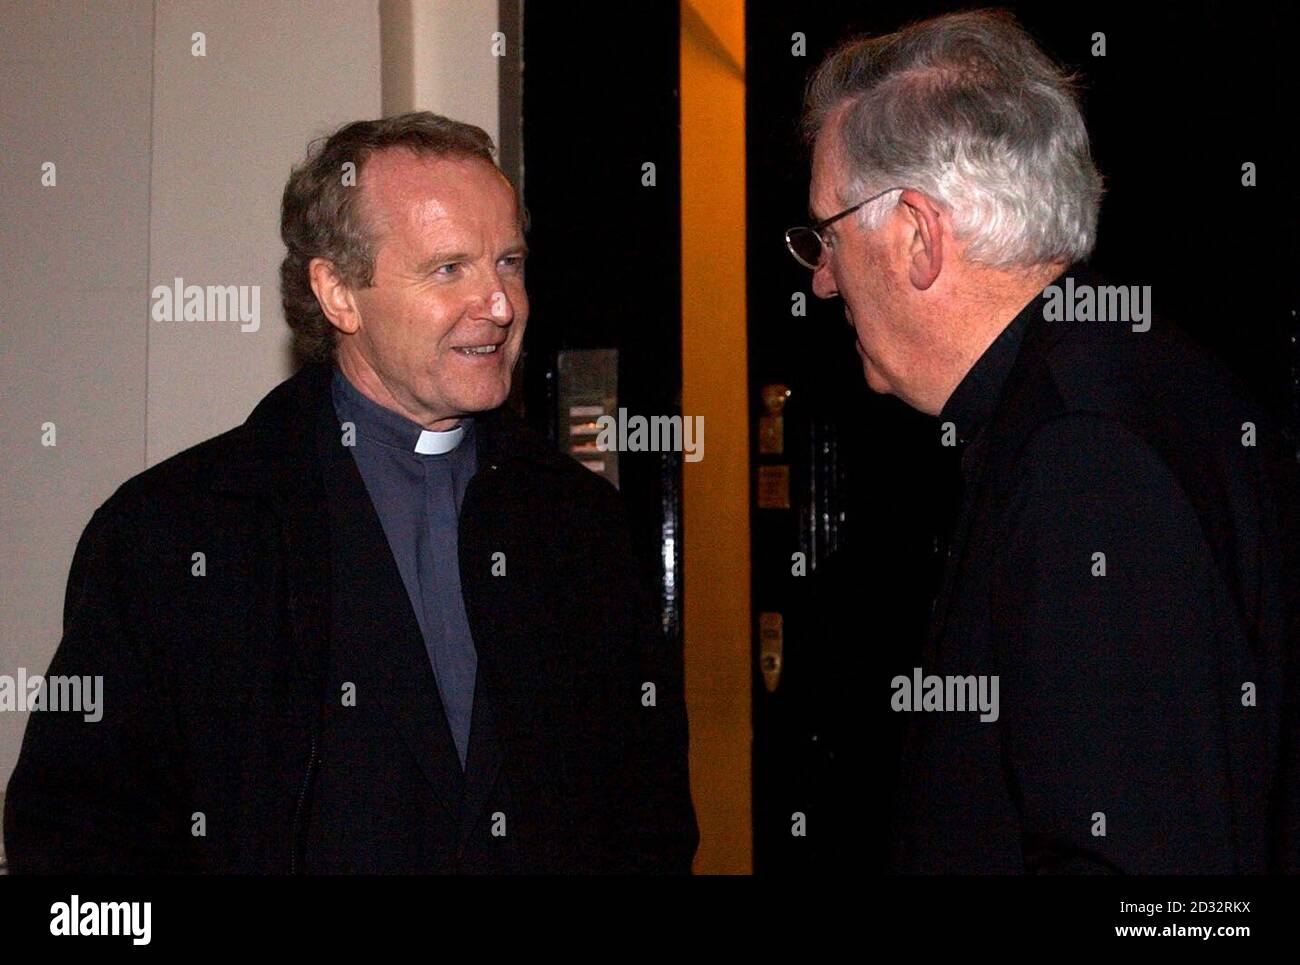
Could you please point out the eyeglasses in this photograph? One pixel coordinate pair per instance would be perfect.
(807, 244)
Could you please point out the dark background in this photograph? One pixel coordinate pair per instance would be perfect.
(1185, 94)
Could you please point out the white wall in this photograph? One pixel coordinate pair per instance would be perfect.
(438, 57)
(75, 84)
(226, 129)
(167, 165)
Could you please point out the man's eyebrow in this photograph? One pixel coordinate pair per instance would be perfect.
(816, 218)
(440, 258)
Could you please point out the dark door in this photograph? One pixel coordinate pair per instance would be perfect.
(604, 273)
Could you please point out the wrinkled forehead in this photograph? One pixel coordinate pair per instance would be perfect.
(828, 170)
(407, 192)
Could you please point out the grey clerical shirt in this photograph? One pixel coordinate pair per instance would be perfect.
(416, 479)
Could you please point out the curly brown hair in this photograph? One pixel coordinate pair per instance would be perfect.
(321, 215)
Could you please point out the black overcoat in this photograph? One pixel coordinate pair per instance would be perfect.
(269, 706)
(1125, 564)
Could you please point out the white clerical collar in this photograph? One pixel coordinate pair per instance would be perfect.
(433, 443)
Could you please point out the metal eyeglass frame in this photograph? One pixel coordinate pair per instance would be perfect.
(817, 229)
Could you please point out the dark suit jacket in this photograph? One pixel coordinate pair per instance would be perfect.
(1122, 697)
(227, 704)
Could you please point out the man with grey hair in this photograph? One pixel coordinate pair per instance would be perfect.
(1116, 569)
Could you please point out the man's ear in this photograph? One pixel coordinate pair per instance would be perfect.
(925, 246)
(335, 297)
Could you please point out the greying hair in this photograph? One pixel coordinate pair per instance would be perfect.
(967, 110)
(321, 215)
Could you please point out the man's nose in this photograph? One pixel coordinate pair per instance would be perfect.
(495, 303)
(823, 282)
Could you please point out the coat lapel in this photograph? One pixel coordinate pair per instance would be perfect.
(1026, 397)
(376, 628)
(499, 444)
(279, 469)
(483, 760)
(507, 738)
(343, 586)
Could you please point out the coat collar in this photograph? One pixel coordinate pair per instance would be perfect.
(1003, 403)
(976, 396)
(387, 429)
(279, 441)
(979, 394)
